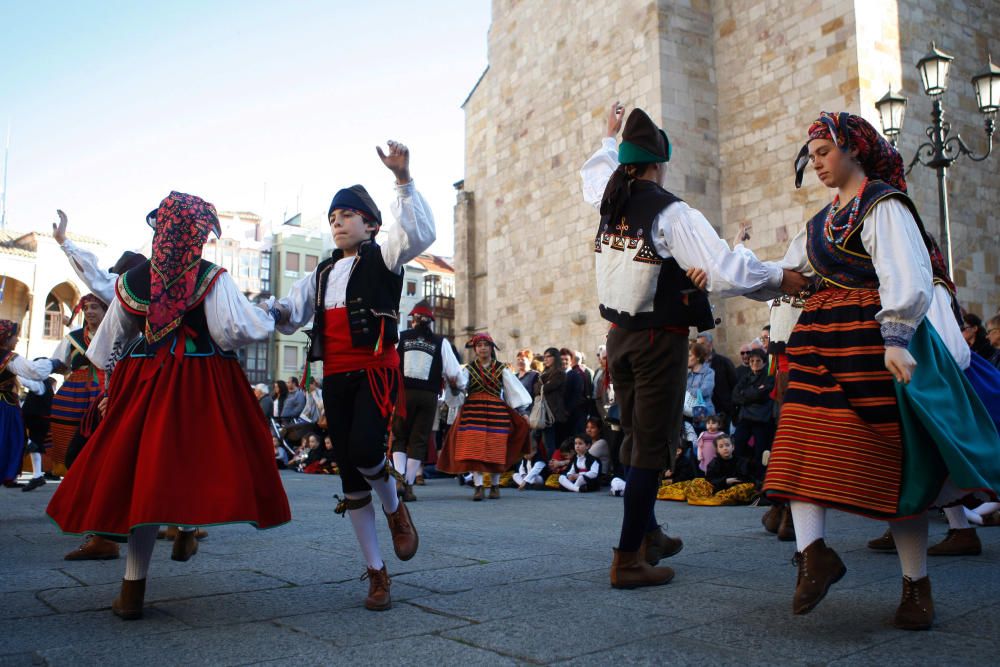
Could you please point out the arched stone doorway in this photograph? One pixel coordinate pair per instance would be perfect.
(59, 304)
(15, 301)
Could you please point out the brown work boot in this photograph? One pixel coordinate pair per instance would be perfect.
(657, 545)
(494, 492)
(885, 543)
(419, 481)
(819, 568)
(201, 533)
(916, 609)
(629, 569)
(407, 494)
(400, 486)
(772, 518)
(94, 547)
(478, 495)
(378, 589)
(786, 527)
(185, 546)
(128, 604)
(958, 542)
(404, 536)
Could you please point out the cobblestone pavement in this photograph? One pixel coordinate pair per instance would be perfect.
(519, 580)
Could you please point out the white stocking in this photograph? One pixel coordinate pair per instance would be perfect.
(363, 522)
(385, 488)
(412, 468)
(140, 552)
(399, 462)
(810, 523)
(910, 537)
(477, 478)
(535, 474)
(956, 517)
(36, 465)
(568, 485)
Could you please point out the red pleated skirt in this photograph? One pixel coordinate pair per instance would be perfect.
(183, 442)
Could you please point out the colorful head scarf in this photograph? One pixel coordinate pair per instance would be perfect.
(479, 337)
(182, 223)
(7, 330)
(877, 157)
(84, 300)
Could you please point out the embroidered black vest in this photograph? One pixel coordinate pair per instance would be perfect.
(78, 354)
(420, 360)
(664, 295)
(846, 263)
(8, 380)
(372, 301)
(133, 291)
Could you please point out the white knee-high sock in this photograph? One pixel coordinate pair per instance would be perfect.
(363, 522)
(956, 517)
(477, 478)
(412, 468)
(36, 465)
(810, 523)
(385, 488)
(140, 552)
(399, 462)
(568, 485)
(911, 545)
(534, 476)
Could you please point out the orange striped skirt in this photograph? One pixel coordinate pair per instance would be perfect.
(839, 438)
(487, 436)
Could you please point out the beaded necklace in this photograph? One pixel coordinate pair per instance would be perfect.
(835, 233)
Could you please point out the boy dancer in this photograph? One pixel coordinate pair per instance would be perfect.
(353, 299)
(646, 239)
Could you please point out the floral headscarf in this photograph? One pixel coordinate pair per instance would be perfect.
(7, 329)
(877, 157)
(182, 223)
(480, 337)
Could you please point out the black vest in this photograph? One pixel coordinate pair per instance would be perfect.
(8, 380)
(420, 360)
(78, 354)
(133, 291)
(675, 300)
(372, 301)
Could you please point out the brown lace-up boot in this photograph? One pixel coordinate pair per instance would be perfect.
(916, 609)
(958, 542)
(378, 589)
(94, 547)
(819, 568)
(185, 546)
(128, 604)
(404, 536)
(629, 569)
(772, 518)
(657, 545)
(884, 543)
(786, 527)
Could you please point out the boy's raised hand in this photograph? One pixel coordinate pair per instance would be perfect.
(397, 161)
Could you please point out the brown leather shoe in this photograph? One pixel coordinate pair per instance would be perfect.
(657, 545)
(916, 609)
(185, 546)
(167, 533)
(378, 589)
(419, 481)
(404, 536)
(885, 543)
(94, 547)
(786, 527)
(478, 495)
(772, 518)
(494, 493)
(128, 604)
(819, 568)
(201, 533)
(407, 495)
(958, 542)
(629, 569)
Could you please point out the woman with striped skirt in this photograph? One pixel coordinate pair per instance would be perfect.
(488, 436)
(877, 419)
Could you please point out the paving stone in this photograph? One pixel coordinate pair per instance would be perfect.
(431, 651)
(356, 626)
(23, 604)
(59, 630)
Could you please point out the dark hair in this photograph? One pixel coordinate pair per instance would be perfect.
(584, 437)
(766, 327)
(699, 352)
(619, 189)
(721, 438)
(759, 353)
(595, 421)
(282, 389)
(568, 352)
(713, 418)
(293, 380)
(981, 340)
(557, 358)
(566, 446)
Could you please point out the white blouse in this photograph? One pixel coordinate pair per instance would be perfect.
(412, 235)
(232, 322)
(683, 233)
(514, 393)
(891, 236)
(84, 263)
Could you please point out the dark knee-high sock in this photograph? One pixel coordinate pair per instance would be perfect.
(640, 496)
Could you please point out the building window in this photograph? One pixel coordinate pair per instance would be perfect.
(290, 357)
(53, 327)
(292, 261)
(311, 262)
(411, 288)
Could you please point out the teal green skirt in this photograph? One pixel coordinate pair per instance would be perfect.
(947, 431)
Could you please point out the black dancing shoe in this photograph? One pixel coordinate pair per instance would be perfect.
(34, 483)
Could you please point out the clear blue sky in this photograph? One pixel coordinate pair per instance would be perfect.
(261, 106)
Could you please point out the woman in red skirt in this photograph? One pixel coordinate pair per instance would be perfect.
(488, 436)
(876, 414)
(176, 385)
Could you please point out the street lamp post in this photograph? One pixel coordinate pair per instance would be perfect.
(942, 148)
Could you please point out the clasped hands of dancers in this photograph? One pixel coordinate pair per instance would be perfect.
(869, 268)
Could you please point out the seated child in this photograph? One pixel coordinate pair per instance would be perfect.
(726, 482)
(584, 470)
(530, 472)
(559, 463)
(705, 447)
(600, 450)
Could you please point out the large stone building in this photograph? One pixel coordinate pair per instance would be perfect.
(735, 83)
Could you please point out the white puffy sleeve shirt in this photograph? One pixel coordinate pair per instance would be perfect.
(891, 236)
(84, 263)
(412, 234)
(683, 233)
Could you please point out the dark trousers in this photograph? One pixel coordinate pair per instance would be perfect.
(410, 434)
(649, 368)
(356, 426)
(763, 436)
